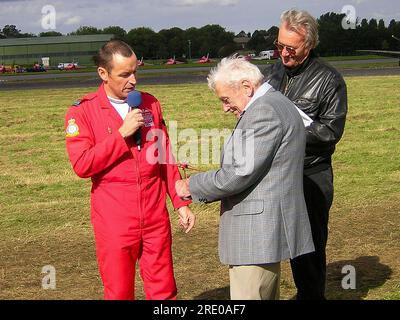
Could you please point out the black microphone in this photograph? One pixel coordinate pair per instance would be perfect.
(134, 101)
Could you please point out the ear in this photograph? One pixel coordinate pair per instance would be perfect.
(103, 73)
(248, 88)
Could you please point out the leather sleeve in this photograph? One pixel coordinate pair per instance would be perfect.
(328, 126)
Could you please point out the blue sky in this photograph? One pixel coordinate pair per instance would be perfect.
(234, 15)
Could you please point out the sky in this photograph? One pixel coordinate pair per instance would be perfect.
(35, 16)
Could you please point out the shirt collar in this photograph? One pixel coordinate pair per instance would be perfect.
(300, 68)
(116, 101)
(261, 90)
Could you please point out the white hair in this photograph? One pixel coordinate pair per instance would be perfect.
(300, 21)
(232, 70)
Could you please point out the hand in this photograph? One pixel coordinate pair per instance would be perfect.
(186, 218)
(182, 189)
(134, 121)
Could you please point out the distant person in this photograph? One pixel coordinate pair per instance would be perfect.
(320, 91)
(263, 213)
(128, 197)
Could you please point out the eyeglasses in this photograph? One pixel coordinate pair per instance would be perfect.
(280, 47)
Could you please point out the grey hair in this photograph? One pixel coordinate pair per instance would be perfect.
(232, 70)
(300, 21)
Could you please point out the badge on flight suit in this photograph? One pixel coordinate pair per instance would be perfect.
(72, 129)
(148, 118)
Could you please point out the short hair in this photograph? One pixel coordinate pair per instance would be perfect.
(231, 70)
(105, 55)
(300, 21)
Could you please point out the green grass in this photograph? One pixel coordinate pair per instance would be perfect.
(360, 57)
(44, 216)
(375, 65)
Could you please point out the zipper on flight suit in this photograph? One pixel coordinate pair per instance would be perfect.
(139, 181)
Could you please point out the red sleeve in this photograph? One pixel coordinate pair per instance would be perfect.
(169, 171)
(86, 157)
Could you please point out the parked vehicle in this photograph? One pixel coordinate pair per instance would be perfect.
(4, 69)
(267, 55)
(205, 59)
(36, 68)
(67, 66)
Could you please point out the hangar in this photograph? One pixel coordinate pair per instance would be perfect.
(27, 51)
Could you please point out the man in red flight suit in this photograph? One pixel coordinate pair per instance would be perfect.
(128, 196)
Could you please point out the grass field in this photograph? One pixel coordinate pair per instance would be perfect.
(44, 214)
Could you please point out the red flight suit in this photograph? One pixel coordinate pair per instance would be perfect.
(128, 196)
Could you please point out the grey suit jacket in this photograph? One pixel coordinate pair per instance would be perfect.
(260, 184)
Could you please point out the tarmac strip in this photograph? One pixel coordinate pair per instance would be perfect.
(92, 80)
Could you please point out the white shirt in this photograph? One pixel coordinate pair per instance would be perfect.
(120, 105)
(263, 89)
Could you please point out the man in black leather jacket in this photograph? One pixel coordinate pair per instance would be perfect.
(320, 91)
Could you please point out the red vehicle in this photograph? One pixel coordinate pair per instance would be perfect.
(71, 66)
(140, 63)
(204, 59)
(4, 69)
(173, 61)
(246, 57)
(67, 66)
(36, 68)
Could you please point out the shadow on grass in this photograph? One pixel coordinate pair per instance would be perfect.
(215, 294)
(370, 274)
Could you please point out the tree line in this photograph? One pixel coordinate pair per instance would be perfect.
(218, 42)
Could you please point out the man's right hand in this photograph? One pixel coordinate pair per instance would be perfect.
(133, 121)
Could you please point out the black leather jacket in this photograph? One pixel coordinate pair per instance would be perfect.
(320, 91)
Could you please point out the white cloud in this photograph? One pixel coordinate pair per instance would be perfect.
(73, 21)
(234, 15)
(191, 3)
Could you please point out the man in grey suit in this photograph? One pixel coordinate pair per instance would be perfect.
(263, 213)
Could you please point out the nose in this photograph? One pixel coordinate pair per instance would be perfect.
(284, 52)
(226, 107)
(132, 79)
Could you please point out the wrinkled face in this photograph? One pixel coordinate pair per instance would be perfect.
(121, 79)
(291, 47)
(233, 99)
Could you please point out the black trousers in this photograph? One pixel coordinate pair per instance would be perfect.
(309, 270)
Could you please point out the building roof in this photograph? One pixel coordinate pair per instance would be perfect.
(55, 40)
(241, 40)
(242, 34)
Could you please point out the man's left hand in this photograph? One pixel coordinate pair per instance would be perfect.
(186, 218)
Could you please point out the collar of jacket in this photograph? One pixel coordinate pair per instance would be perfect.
(103, 99)
(299, 69)
(105, 104)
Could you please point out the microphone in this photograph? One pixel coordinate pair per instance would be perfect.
(134, 101)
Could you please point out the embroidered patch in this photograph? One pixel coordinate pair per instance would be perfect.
(72, 129)
(148, 118)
